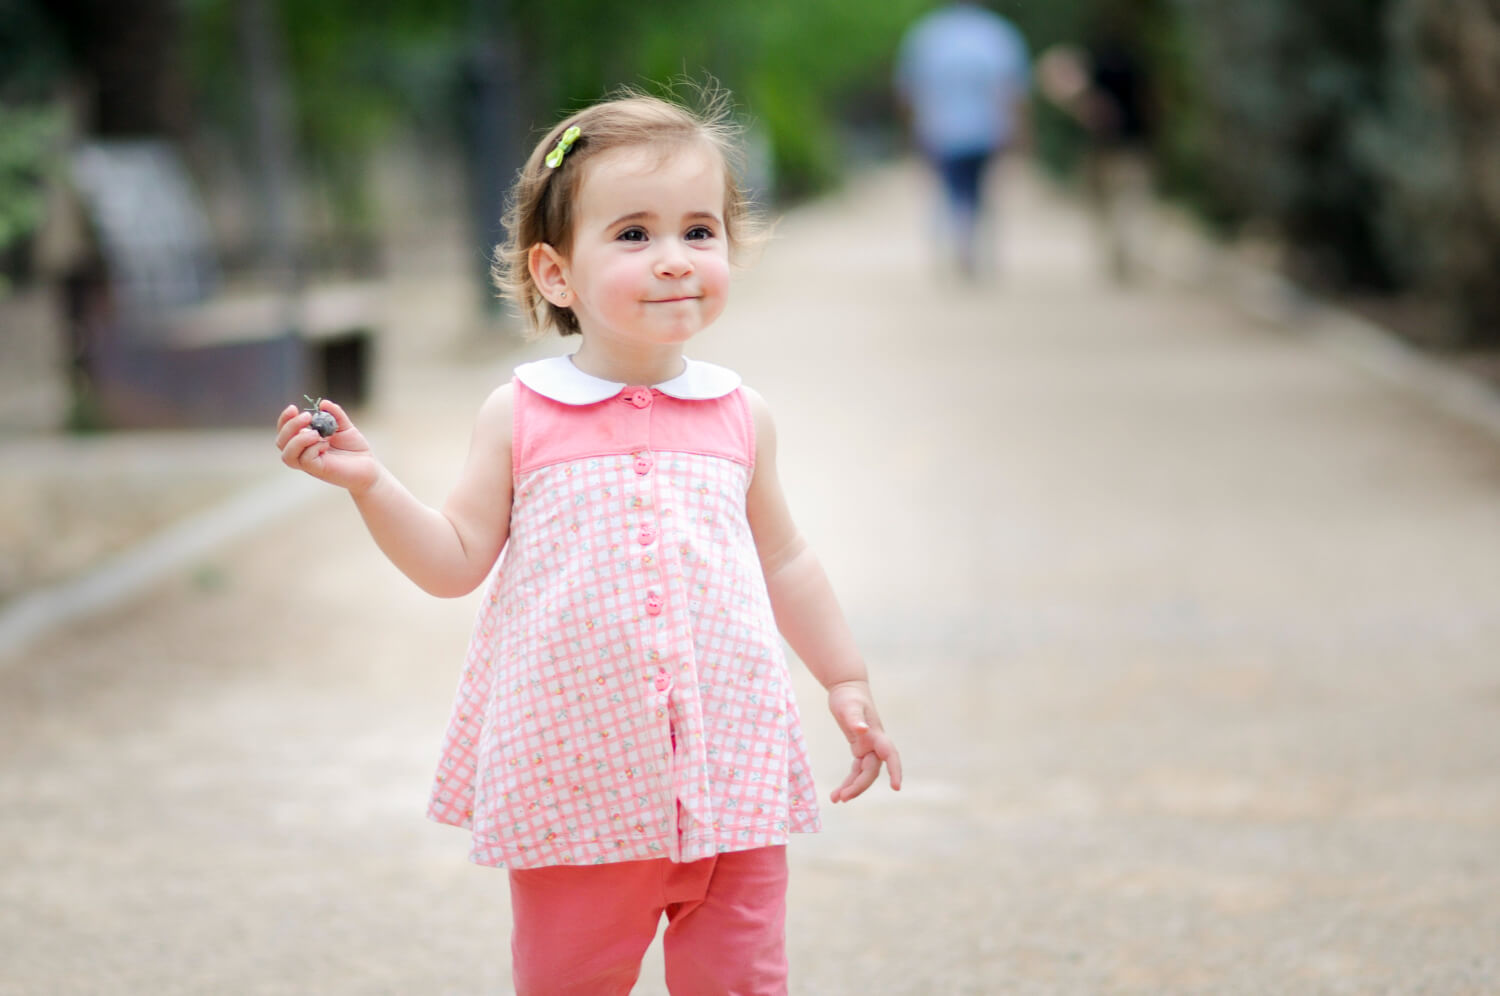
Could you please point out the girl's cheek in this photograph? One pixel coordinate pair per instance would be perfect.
(620, 283)
(714, 270)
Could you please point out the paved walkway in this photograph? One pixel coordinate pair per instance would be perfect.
(1186, 624)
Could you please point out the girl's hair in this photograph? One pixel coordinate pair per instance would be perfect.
(541, 204)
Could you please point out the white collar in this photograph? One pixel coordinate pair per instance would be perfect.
(557, 378)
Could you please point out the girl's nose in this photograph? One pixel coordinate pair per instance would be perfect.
(673, 262)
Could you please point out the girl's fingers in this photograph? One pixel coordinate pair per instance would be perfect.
(893, 769)
(302, 445)
(861, 776)
(285, 419)
(338, 413)
(291, 422)
(871, 750)
(312, 451)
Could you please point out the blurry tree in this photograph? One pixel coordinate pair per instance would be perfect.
(1365, 132)
(790, 63)
(126, 56)
(1437, 150)
(27, 137)
(353, 73)
(32, 69)
(1284, 88)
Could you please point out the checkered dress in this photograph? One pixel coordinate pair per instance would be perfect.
(625, 695)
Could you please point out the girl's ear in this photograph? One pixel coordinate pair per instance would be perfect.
(549, 271)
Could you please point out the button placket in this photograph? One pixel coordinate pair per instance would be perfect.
(647, 533)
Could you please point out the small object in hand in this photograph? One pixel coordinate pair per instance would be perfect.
(322, 421)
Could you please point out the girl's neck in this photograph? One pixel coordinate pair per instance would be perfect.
(636, 366)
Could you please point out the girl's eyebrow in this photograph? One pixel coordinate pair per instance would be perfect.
(644, 215)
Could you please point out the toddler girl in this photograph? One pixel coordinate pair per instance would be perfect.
(625, 739)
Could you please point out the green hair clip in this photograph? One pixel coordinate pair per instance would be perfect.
(555, 157)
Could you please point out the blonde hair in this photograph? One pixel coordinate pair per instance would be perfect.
(540, 208)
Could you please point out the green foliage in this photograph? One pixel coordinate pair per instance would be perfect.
(28, 137)
(1363, 131)
(31, 56)
(360, 70)
(356, 70)
(31, 67)
(1435, 150)
(1285, 84)
(790, 63)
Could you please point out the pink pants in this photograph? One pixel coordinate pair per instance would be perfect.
(585, 930)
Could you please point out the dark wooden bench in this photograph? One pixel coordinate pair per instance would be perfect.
(156, 338)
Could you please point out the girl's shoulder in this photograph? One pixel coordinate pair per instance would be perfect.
(500, 402)
(760, 412)
(496, 415)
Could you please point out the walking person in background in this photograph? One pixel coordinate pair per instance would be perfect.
(1105, 87)
(962, 77)
(625, 739)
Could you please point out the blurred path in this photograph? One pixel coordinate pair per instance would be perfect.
(1186, 627)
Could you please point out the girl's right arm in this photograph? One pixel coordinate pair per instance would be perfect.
(446, 551)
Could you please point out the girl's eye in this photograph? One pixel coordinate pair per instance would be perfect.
(632, 235)
(699, 232)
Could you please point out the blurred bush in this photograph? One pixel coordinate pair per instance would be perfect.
(31, 65)
(27, 146)
(1361, 133)
(1436, 147)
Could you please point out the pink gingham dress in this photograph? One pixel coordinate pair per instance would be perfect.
(625, 695)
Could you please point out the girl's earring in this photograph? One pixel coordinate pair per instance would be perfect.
(562, 295)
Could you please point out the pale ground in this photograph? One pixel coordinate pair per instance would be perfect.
(1186, 626)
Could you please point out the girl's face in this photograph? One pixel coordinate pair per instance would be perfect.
(649, 264)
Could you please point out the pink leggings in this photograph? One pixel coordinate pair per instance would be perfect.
(585, 930)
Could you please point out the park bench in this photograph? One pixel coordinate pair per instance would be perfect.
(156, 338)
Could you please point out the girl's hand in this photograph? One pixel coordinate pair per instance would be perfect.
(343, 459)
(854, 709)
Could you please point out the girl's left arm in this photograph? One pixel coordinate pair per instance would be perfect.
(808, 615)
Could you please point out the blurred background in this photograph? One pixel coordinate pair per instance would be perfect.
(179, 174)
(205, 205)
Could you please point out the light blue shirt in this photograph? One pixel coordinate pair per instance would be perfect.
(962, 70)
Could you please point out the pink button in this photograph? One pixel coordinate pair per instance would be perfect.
(643, 464)
(663, 681)
(647, 536)
(640, 397)
(653, 604)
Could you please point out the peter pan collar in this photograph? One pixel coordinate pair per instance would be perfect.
(557, 378)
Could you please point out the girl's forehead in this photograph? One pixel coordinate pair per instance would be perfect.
(651, 155)
(637, 169)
